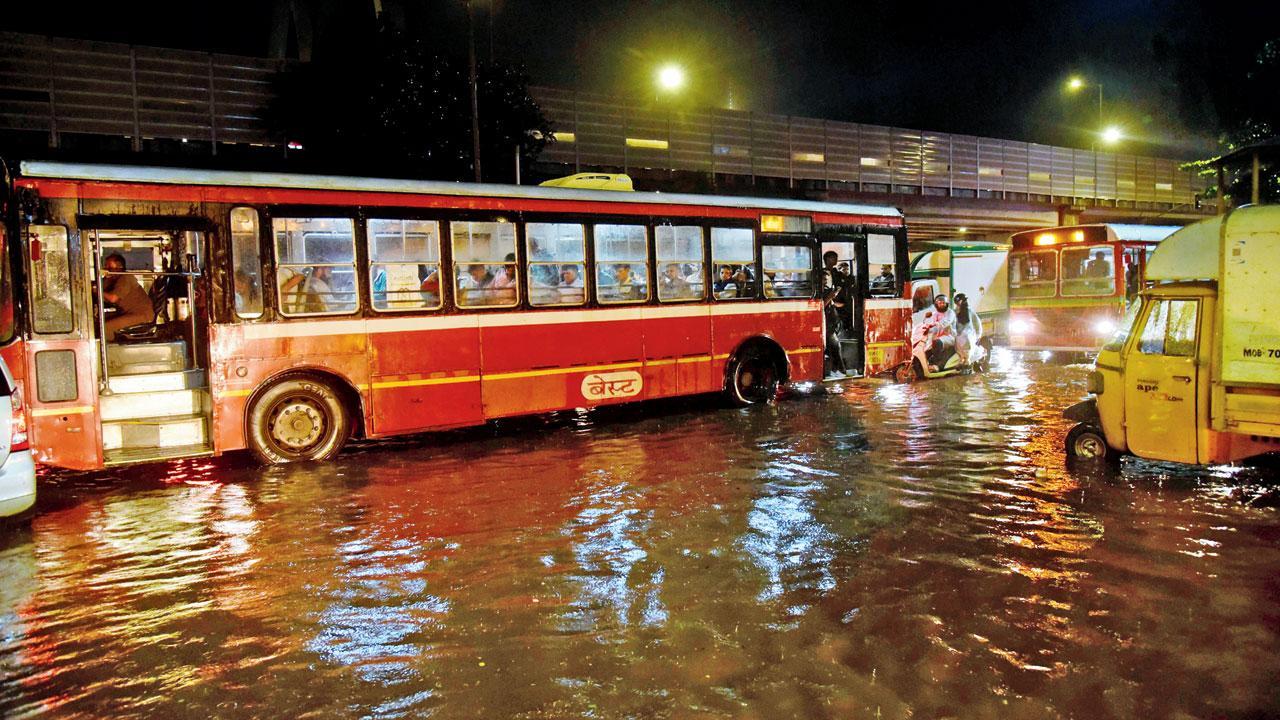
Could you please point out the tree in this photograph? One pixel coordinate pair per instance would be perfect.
(1252, 115)
(386, 105)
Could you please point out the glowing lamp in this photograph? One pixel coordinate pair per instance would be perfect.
(671, 77)
(1046, 239)
(1077, 236)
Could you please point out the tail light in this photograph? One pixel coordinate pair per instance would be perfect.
(18, 424)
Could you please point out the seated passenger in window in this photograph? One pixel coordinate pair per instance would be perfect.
(318, 297)
(429, 286)
(744, 280)
(504, 282)
(476, 285)
(570, 286)
(624, 285)
(725, 285)
(673, 286)
(883, 284)
(291, 292)
(248, 296)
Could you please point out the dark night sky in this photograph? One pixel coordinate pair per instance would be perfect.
(994, 69)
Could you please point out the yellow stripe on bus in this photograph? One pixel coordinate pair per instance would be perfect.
(46, 412)
(425, 381)
(419, 382)
(562, 371)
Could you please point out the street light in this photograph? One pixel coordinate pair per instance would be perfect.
(671, 77)
(1077, 83)
(1112, 135)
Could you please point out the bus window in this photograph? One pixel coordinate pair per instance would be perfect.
(315, 265)
(404, 264)
(557, 263)
(246, 259)
(50, 279)
(882, 258)
(622, 263)
(484, 264)
(788, 271)
(733, 256)
(1033, 274)
(1088, 271)
(680, 263)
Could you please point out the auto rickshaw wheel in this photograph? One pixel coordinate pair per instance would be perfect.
(1086, 442)
(906, 372)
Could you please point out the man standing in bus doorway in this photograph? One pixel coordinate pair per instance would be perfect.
(133, 305)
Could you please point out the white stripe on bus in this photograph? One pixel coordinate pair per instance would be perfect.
(379, 325)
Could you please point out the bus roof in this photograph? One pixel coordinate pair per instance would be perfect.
(186, 176)
(1124, 231)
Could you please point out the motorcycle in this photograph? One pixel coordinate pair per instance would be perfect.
(949, 363)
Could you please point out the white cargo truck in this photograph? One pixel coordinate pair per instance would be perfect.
(1194, 374)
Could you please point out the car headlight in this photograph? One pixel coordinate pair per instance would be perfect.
(1104, 327)
(1019, 327)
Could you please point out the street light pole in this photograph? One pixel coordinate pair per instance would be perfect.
(475, 104)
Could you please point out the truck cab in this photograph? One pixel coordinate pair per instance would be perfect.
(1193, 374)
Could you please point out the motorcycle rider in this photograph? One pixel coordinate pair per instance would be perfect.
(941, 325)
(968, 327)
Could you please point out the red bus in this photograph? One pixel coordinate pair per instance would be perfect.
(293, 312)
(1068, 286)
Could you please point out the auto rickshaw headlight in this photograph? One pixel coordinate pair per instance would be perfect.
(1094, 383)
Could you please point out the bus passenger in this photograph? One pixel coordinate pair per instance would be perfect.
(1098, 266)
(317, 294)
(429, 285)
(475, 285)
(570, 285)
(625, 285)
(725, 285)
(290, 281)
(671, 286)
(133, 305)
(504, 283)
(883, 284)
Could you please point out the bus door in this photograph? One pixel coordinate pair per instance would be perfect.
(850, 313)
(61, 391)
(151, 337)
(886, 313)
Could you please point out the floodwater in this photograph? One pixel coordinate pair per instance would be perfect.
(887, 551)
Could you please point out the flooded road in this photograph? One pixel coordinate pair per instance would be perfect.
(885, 552)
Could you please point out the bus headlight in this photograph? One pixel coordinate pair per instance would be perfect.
(1105, 327)
(1019, 326)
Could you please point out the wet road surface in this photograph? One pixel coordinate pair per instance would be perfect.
(885, 552)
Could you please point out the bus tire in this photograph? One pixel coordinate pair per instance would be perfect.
(298, 419)
(754, 377)
(1087, 443)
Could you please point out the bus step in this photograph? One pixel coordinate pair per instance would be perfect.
(152, 382)
(146, 358)
(159, 403)
(143, 455)
(154, 433)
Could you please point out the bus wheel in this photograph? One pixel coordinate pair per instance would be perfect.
(1086, 442)
(298, 419)
(753, 378)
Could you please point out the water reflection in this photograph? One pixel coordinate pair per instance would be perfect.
(865, 550)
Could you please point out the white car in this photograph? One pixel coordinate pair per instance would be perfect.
(17, 469)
